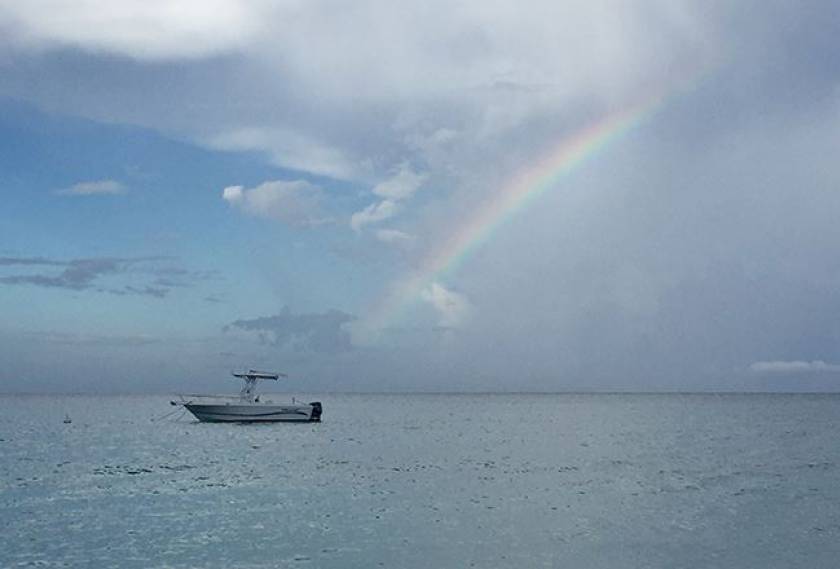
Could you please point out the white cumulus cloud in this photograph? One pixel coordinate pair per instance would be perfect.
(373, 213)
(140, 29)
(401, 185)
(398, 188)
(233, 194)
(292, 202)
(290, 149)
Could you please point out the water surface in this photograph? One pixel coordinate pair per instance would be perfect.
(422, 481)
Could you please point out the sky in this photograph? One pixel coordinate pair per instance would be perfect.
(420, 196)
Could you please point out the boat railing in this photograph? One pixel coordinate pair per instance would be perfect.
(208, 395)
(189, 397)
(184, 398)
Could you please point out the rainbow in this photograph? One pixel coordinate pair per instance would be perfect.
(520, 191)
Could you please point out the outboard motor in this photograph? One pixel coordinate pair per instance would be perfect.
(316, 411)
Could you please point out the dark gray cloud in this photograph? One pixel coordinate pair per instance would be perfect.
(143, 291)
(89, 274)
(78, 274)
(316, 332)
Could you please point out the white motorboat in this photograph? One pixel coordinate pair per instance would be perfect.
(248, 407)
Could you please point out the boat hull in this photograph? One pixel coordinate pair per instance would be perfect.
(256, 413)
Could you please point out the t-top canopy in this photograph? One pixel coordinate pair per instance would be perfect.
(254, 374)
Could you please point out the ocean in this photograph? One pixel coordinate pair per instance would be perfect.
(422, 481)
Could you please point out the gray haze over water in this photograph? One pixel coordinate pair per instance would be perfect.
(417, 481)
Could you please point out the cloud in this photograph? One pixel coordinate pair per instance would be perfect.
(78, 274)
(394, 236)
(89, 274)
(351, 93)
(100, 187)
(233, 194)
(295, 203)
(399, 187)
(315, 332)
(373, 213)
(140, 29)
(642, 260)
(289, 149)
(452, 307)
(23, 261)
(793, 367)
(156, 292)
